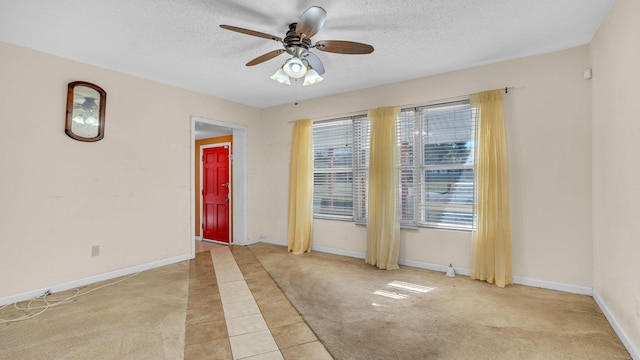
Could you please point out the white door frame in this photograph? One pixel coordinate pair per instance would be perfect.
(209, 146)
(240, 142)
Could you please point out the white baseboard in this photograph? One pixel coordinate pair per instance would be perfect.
(267, 240)
(333, 251)
(626, 341)
(434, 267)
(198, 238)
(92, 279)
(574, 289)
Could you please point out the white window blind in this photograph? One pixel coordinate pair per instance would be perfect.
(333, 169)
(435, 166)
(408, 175)
(362, 134)
(448, 134)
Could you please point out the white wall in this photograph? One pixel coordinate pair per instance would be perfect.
(548, 119)
(128, 193)
(616, 166)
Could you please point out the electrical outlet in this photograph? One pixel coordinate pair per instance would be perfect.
(95, 250)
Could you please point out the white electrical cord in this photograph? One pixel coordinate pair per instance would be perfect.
(52, 303)
(48, 303)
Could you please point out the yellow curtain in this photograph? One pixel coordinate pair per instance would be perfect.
(301, 188)
(491, 239)
(383, 221)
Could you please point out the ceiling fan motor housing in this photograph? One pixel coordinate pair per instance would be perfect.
(296, 44)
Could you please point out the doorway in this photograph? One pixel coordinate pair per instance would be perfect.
(236, 135)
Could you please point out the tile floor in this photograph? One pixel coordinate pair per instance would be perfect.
(236, 311)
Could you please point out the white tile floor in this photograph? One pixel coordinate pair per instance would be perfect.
(249, 335)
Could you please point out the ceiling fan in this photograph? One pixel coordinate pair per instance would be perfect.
(86, 113)
(297, 43)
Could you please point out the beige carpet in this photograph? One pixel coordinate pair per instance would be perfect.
(360, 312)
(140, 318)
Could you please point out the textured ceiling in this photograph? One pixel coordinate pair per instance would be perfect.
(179, 42)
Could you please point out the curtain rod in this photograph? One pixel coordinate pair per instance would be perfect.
(360, 112)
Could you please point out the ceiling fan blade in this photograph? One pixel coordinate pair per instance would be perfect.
(314, 62)
(251, 32)
(311, 21)
(344, 47)
(268, 56)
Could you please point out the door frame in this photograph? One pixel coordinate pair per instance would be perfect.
(231, 189)
(240, 171)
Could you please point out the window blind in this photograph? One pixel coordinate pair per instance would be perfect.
(333, 168)
(406, 140)
(362, 135)
(435, 166)
(448, 134)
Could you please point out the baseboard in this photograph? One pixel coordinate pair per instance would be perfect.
(574, 289)
(198, 238)
(333, 251)
(412, 263)
(626, 341)
(313, 248)
(92, 279)
(266, 240)
(434, 267)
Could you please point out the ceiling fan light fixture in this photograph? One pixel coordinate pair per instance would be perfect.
(281, 77)
(295, 68)
(91, 120)
(312, 77)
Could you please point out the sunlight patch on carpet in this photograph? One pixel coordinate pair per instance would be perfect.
(411, 287)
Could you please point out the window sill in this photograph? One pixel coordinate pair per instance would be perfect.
(320, 217)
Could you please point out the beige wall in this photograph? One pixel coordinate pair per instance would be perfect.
(616, 166)
(548, 119)
(128, 193)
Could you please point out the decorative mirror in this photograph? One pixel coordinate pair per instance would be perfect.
(85, 111)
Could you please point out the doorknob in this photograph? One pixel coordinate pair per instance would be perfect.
(225, 184)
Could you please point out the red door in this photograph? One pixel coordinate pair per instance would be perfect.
(215, 193)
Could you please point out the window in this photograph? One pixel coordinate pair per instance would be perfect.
(333, 169)
(448, 134)
(435, 166)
